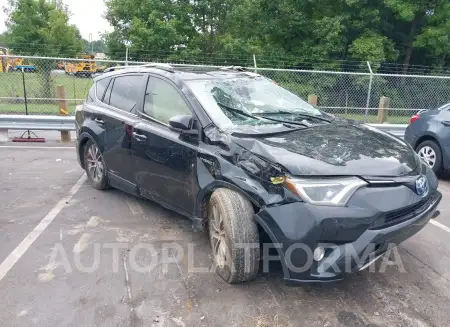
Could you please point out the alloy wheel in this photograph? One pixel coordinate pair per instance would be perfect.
(94, 163)
(428, 155)
(218, 237)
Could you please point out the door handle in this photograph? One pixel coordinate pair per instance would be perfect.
(139, 137)
(99, 121)
(445, 122)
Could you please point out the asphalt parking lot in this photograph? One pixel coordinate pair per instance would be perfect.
(74, 256)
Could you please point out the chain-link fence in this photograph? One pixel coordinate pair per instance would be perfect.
(354, 95)
(29, 84)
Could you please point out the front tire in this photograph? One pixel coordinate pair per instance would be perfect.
(95, 166)
(234, 236)
(431, 153)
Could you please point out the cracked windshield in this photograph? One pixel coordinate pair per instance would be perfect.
(242, 101)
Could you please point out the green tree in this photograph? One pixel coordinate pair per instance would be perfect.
(416, 13)
(154, 27)
(436, 34)
(95, 46)
(3, 39)
(336, 34)
(40, 27)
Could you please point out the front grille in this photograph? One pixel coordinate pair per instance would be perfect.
(400, 215)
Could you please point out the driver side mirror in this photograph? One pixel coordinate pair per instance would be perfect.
(182, 124)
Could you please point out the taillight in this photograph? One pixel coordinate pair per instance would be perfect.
(414, 118)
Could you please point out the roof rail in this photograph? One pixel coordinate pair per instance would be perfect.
(165, 67)
(111, 69)
(236, 68)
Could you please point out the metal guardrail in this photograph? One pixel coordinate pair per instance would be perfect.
(67, 123)
(396, 129)
(37, 122)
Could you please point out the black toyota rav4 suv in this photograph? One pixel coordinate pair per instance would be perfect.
(245, 158)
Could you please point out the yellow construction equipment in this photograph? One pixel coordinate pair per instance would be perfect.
(9, 64)
(83, 68)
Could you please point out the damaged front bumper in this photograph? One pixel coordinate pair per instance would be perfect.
(351, 237)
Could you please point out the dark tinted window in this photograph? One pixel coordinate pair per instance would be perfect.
(91, 95)
(125, 92)
(101, 87)
(108, 92)
(162, 101)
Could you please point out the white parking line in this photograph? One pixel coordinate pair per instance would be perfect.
(15, 255)
(35, 147)
(441, 226)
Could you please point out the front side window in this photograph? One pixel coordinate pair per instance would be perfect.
(125, 92)
(162, 101)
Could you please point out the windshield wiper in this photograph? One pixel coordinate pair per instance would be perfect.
(286, 123)
(291, 122)
(282, 112)
(239, 111)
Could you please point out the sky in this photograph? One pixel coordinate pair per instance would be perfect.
(85, 14)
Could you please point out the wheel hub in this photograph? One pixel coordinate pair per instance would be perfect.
(94, 163)
(428, 155)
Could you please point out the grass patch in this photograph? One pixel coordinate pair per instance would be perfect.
(11, 85)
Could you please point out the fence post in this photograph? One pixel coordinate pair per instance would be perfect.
(63, 111)
(383, 109)
(366, 114)
(312, 99)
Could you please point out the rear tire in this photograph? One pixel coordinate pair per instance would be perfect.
(95, 166)
(234, 236)
(431, 153)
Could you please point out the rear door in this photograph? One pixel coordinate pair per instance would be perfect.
(95, 114)
(85, 116)
(165, 164)
(122, 98)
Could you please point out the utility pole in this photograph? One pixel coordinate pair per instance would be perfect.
(90, 41)
(127, 46)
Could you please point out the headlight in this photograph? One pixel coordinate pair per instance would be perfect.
(325, 191)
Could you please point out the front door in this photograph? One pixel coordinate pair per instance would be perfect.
(165, 162)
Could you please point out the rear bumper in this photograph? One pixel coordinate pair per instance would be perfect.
(410, 137)
(350, 240)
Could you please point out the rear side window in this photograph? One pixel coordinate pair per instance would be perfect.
(125, 92)
(91, 95)
(108, 92)
(101, 87)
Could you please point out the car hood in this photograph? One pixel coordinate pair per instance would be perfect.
(335, 149)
